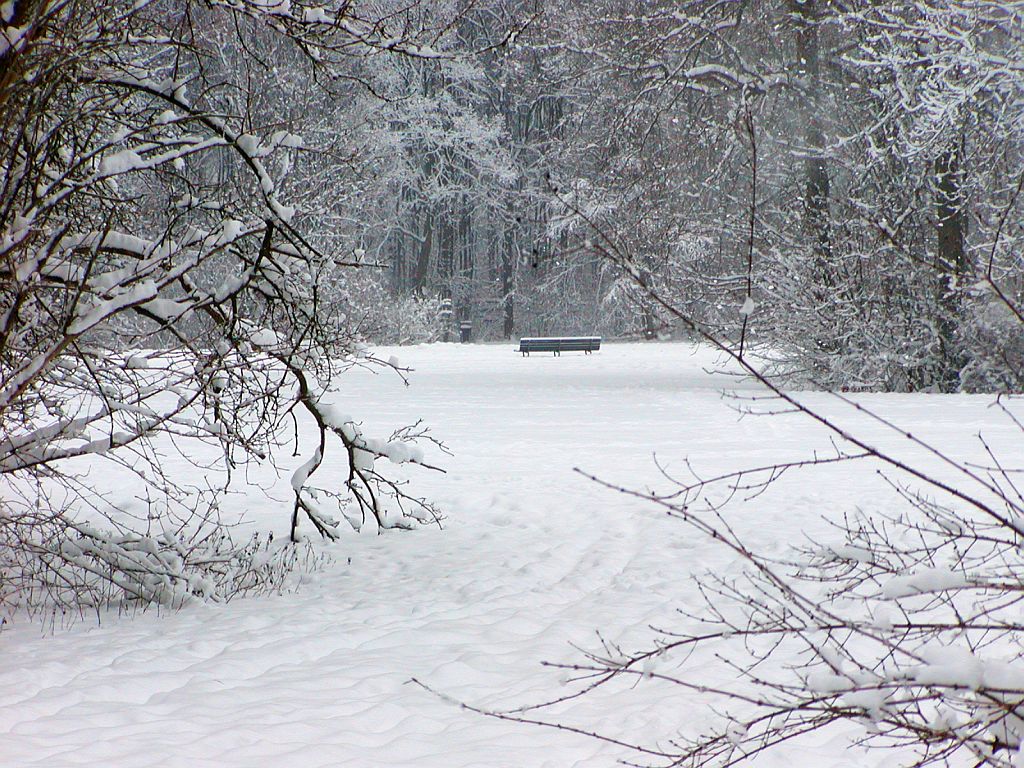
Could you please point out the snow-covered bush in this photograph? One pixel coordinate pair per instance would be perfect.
(386, 318)
(412, 319)
(55, 567)
(995, 348)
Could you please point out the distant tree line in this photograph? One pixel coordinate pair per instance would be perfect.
(853, 167)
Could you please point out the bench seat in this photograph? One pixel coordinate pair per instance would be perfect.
(560, 344)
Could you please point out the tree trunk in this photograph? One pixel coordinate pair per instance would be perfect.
(419, 279)
(949, 210)
(952, 263)
(648, 319)
(508, 267)
(816, 180)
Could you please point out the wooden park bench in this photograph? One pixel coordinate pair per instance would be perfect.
(558, 345)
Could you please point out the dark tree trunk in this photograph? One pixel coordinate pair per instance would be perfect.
(949, 210)
(648, 319)
(419, 279)
(952, 263)
(816, 180)
(508, 271)
(446, 247)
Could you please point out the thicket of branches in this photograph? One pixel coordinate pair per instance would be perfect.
(904, 625)
(169, 286)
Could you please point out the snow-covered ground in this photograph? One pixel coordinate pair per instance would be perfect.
(533, 558)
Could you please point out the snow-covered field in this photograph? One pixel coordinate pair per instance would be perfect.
(533, 558)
